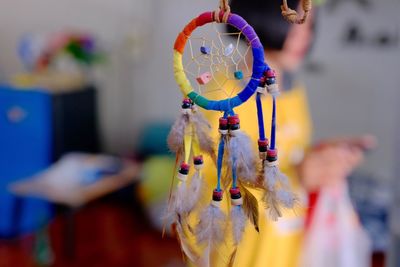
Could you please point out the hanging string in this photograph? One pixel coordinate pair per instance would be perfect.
(273, 123)
(292, 16)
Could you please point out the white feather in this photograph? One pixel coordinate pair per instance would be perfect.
(286, 198)
(238, 219)
(194, 192)
(179, 197)
(270, 177)
(282, 179)
(278, 193)
(273, 209)
(203, 129)
(176, 134)
(241, 149)
(176, 204)
(210, 229)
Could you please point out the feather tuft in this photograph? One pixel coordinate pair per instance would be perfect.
(278, 193)
(241, 150)
(203, 128)
(184, 243)
(194, 192)
(238, 219)
(232, 258)
(176, 206)
(177, 133)
(250, 206)
(271, 177)
(273, 208)
(287, 198)
(210, 229)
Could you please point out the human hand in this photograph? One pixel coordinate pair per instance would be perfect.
(330, 162)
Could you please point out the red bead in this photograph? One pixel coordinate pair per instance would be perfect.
(223, 124)
(270, 74)
(187, 101)
(185, 166)
(223, 121)
(263, 143)
(234, 191)
(217, 193)
(198, 158)
(272, 153)
(234, 119)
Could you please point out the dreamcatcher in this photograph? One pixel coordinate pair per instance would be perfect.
(207, 65)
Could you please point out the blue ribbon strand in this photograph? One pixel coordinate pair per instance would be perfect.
(221, 148)
(260, 117)
(273, 123)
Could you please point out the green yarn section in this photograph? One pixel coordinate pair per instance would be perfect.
(198, 99)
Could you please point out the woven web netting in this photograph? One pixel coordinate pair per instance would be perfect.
(218, 63)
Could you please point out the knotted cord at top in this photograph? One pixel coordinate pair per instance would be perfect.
(292, 16)
(225, 9)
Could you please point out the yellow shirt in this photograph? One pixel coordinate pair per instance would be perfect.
(278, 243)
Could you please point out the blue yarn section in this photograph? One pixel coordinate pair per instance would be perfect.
(259, 67)
(221, 148)
(260, 117)
(273, 124)
(224, 105)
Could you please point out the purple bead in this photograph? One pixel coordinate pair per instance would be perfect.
(206, 50)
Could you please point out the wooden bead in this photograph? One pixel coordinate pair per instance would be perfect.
(182, 177)
(237, 202)
(273, 89)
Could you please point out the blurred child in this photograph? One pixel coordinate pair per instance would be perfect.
(278, 244)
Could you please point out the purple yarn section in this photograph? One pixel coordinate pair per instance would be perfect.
(239, 23)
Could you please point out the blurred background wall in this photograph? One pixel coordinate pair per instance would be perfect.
(357, 49)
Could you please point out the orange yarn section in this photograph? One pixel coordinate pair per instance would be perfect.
(180, 42)
(187, 31)
(184, 35)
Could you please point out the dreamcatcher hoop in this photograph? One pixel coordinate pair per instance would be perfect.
(258, 68)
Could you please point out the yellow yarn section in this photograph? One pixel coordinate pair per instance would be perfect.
(195, 146)
(179, 73)
(188, 138)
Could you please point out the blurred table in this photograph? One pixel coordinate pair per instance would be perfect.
(74, 198)
(78, 196)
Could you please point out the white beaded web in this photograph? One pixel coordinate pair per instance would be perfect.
(228, 52)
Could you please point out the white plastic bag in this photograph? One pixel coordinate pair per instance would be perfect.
(335, 237)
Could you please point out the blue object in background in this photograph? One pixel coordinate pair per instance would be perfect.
(25, 149)
(153, 139)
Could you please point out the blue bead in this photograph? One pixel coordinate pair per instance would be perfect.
(205, 50)
(238, 75)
